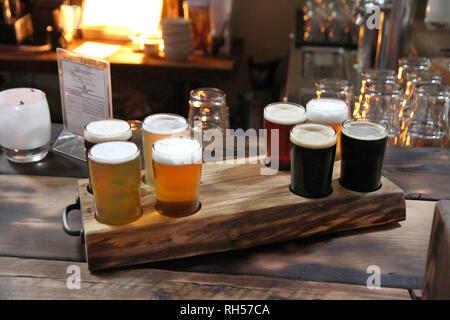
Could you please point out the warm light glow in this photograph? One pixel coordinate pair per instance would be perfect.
(130, 16)
(95, 49)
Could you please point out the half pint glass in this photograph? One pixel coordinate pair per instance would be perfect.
(363, 147)
(177, 166)
(104, 131)
(313, 147)
(281, 116)
(115, 170)
(155, 127)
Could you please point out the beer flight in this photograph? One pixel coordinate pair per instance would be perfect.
(309, 143)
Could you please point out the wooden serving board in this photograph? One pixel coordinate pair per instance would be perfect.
(240, 209)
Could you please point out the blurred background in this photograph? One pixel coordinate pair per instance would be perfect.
(256, 51)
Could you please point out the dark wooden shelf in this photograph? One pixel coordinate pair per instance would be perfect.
(129, 61)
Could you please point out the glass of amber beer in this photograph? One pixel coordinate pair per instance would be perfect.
(281, 116)
(363, 147)
(115, 170)
(313, 147)
(328, 111)
(177, 166)
(103, 131)
(155, 127)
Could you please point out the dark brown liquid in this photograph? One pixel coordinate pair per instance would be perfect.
(361, 164)
(312, 171)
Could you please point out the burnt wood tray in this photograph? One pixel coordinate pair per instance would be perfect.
(240, 209)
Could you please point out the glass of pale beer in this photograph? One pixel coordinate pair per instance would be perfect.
(104, 131)
(115, 171)
(155, 127)
(177, 166)
(328, 111)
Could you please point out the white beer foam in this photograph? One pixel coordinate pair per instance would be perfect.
(177, 151)
(284, 113)
(114, 152)
(327, 110)
(164, 123)
(313, 136)
(364, 130)
(107, 130)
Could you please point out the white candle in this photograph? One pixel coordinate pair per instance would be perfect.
(24, 119)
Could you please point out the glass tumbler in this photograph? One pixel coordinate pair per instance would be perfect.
(414, 80)
(430, 112)
(25, 124)
(198, 12)
(381, 104)
(207, 114)
(335, 88)
(368, 76)
(411, 64)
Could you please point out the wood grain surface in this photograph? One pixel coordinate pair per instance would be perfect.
(424, 173)
(44, 279)
(399, 249)
(437, 275)
(30, 217)
(240, 208)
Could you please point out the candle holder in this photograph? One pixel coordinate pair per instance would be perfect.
(24, 124)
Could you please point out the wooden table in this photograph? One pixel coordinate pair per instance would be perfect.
(35, 252)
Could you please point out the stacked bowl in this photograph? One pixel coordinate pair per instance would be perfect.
(176, 33)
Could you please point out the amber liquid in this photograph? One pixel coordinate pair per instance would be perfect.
(148, 139)
(87, 147)
(283, 142)
(116, 191)
(177, 188)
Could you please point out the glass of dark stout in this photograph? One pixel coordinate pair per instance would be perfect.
(363, 144)
(313, 148)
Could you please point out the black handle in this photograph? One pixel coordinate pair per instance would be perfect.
(65, 224)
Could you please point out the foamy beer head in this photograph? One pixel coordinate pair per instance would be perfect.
(284, 113)
(164, 124)
(327, 110)
(114, 152)
(364, 130)
(177, 164)
(107, 130)
(115, 171)
(313, 148)
(313, 136)
(177, 151)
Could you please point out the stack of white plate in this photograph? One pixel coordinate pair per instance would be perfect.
(176, 33)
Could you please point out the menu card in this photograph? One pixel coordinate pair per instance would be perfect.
(85, 84)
